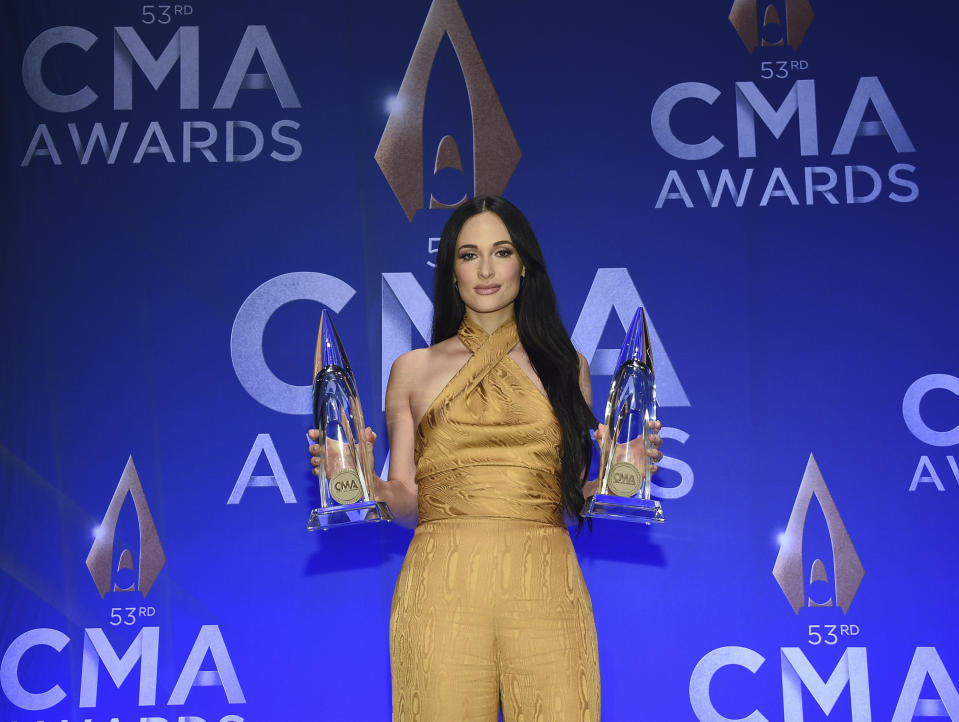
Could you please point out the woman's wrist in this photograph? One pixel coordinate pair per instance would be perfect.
(381, 490)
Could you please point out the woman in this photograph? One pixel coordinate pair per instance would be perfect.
(489, 448)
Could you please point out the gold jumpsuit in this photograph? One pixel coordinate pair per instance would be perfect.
(490, 610)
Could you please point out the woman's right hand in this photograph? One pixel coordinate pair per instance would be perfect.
(318, 456)
(316, 451)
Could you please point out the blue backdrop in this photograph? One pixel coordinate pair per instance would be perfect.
(187, 185)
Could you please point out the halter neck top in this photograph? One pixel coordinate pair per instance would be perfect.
(489, 445)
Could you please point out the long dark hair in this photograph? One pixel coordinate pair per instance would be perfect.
(540, 330)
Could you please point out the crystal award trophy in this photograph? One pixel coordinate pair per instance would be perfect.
(624, 478)
(346, 463)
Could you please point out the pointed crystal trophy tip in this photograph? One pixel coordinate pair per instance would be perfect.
(636, 346)
(329, 349)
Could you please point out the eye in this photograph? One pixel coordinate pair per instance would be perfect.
(467, 256)
(504, 252)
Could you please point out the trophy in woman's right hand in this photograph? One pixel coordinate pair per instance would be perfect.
(624, 475)
(345, 467)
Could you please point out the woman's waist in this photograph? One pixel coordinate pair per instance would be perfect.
(496, 492)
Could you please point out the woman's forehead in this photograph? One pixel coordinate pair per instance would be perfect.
(483, 229)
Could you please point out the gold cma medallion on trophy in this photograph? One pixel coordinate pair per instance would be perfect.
(345, 487)
(625, 479)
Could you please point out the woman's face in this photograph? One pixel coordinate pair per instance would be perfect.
(486, 266)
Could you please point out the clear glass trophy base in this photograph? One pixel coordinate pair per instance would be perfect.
(624, 508)
(358, 513)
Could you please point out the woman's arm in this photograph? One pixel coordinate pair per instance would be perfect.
(400, 491)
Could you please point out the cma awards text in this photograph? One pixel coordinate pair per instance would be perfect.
(870, 124)
(122, 136)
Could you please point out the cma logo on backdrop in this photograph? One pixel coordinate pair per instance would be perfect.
(151, 556)
(745, 18)
(790, 571)
(400, 152)
(801, 683)
(95, 651)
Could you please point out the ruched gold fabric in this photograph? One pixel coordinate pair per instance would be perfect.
(489, 444)
(490, 609)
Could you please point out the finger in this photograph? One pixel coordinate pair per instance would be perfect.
(314, 434)
(654, 454)
(656, 440)
(316, 471)
(314, 449)
(316, 460)
(653, 468)
(657, 424)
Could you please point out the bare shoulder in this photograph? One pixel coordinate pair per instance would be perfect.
(421, 362)
(417, 370)
(408, 363)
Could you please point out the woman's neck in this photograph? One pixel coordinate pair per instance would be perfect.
(489, 322)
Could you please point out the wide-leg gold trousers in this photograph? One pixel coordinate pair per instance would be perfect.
(492, 613)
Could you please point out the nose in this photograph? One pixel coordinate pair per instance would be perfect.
(486, 268)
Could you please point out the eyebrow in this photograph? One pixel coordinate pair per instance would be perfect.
(473, 245)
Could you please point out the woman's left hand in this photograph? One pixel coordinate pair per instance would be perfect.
(654, 453)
